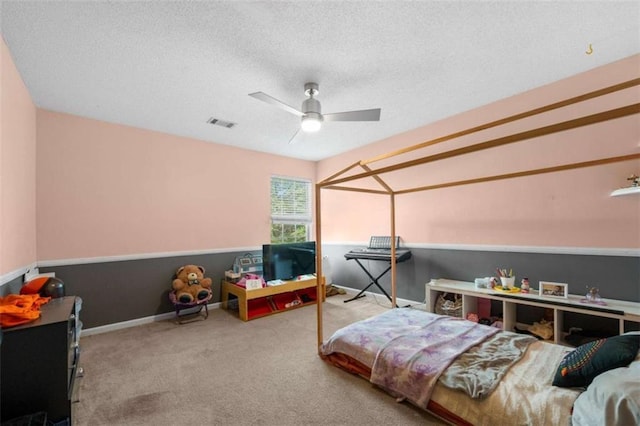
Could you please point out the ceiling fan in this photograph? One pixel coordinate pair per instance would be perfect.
(311, 112)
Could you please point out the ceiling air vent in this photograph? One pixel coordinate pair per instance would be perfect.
(222, 123)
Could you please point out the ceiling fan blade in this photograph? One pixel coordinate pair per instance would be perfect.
(361, 115)
(273, 101)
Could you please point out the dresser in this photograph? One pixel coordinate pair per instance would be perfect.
(39, 363)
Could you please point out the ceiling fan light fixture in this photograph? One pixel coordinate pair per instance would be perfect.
(311, 122)
(311, 111)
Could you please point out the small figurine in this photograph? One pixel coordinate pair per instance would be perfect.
(493, 283)
(524, 286)
(593, 295)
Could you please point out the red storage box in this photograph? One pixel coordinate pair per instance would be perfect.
(258, 307)
(286, 300)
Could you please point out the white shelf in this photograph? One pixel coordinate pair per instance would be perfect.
(621, 310)
(626, 191)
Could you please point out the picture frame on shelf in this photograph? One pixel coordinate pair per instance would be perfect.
(553, 289)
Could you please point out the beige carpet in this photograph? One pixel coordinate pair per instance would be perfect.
(223, 371)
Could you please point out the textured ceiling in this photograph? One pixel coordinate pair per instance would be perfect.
(170, 66)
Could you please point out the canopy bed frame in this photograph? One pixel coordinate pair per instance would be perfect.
(335, 181)
(400, 352)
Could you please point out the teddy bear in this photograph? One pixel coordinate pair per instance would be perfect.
(190, 284)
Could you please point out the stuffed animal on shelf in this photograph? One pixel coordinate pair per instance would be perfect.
(190, 284)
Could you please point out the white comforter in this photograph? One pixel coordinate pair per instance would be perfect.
(525, 396)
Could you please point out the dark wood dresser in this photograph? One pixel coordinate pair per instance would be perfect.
(39, 362)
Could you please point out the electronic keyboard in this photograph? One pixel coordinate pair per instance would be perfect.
(378, 254)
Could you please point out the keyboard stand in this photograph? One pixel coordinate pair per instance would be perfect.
(373, 281)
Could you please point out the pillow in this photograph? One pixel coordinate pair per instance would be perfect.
(580, 366)
(613, 398)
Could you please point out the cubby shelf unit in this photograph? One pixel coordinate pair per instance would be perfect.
(622, 311)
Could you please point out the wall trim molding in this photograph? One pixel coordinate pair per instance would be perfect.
(10, 276)
(138, 321)
(141, 256)
(591, 251)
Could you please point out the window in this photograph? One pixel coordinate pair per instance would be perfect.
(290, 210)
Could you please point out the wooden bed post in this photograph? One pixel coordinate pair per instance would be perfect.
(576, 99)
(319, 277)
(575, 123)
(393, 249)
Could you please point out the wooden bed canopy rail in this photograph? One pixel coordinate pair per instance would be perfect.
(333, 182)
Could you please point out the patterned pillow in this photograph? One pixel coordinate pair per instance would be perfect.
(580, 366)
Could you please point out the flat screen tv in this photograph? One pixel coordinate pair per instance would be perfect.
(288, 260)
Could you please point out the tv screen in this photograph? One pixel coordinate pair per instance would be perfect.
(289, 260)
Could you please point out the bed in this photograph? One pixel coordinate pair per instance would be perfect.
(471, 374)
(520, 391)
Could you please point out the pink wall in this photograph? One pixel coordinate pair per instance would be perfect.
(17, 169)
(112, 190)
(565, 209)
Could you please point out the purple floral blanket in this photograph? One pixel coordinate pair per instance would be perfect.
(409, 364)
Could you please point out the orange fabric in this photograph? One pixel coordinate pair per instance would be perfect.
(19, 309)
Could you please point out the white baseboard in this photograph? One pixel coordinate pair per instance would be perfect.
(133, 323)
(168, 315)
(379, 296)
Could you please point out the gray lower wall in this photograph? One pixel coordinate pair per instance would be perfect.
(618, 277)
(114, 292)
(11, 287)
